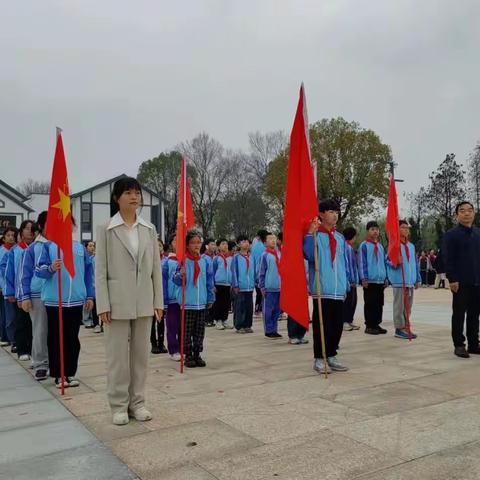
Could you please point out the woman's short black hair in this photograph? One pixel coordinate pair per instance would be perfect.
(328, 204)
(349, 233)
(42, 220)
(170, 240)
(119, 187)
(262, 235)
(10, 228)
(241, 238)
(372, 224)
(24, 224)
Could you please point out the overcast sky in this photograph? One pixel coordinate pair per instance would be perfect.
(127, 80)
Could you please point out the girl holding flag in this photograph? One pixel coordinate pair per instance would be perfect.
(128, 280)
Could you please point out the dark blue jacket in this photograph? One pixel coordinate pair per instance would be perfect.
(461, 254)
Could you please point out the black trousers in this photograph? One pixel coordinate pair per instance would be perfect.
(295, 330)
(194, 331)
(157, 334)
(72, 319)
(466, 302)
(243, 313)
(350, 305)
(23, 331)
(373, 297)
(222, 303)
(332, 311)
(258, 300)
(95, 319)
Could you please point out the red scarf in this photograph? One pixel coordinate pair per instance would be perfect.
(247, 259)
(375, 248)
(8, 246)
(275, 254)
(407, 250)
(224, 257)
(196, 266)
(350, 242)
(22, 245)
(332, 241)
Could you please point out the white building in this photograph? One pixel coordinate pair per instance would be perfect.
(91, 208)
(14, 206)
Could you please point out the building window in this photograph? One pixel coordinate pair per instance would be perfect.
(86, 217)
(154, 217)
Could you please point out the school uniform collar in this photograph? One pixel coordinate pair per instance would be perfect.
(40, 238)
(117, 221)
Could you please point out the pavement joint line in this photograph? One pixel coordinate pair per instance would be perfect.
(38, 424)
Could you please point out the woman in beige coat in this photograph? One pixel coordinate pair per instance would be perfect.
(129, 293)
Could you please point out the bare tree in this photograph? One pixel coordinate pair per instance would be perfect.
(264, 147)
(474, 175)
(30, 186)
(205, 157)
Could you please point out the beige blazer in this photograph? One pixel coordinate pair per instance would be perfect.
(126, 287)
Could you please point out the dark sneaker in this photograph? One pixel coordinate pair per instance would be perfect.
(371, 331)
(248, 330)
(162, 349)
(381, 330)
(461, 352)
(200, 362)
(14, 349)
(241, 330)
(40, 375)
(190, 363)
(474, 350)
(156, 350)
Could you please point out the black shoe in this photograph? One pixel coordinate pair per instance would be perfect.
(162, 349)
(371, 331)
(155, 350)
(381, 330)
(461, 352)
(14, 349)
(190, 362)
(200, 362)
(40, 375)
(276, 335)
(474, 350)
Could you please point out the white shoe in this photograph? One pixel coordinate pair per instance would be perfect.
(335, 365)
(320, 367)
(227, 325)
(72, 382)
(176, 357)
(24, 358)
(141, 415)
(120, 418)
(97, 329)
(294, 341)
(220, 326)
(347, 327)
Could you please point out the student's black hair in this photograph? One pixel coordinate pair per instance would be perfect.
(209, 240)
(171, 239)
(24, 224)
(122, 185)
(10, 228)
(262, 235)
(220, 240)
(241, 238)
(231, 245)
(372, 224)
(42, 221)
(403, 222)
(349, 233)
(280, 236)
(328, 204)
(192, 234)
(464, 202)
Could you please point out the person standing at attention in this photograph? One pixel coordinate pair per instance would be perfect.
(129, 293)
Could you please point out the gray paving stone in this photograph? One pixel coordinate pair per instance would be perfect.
(17, 395)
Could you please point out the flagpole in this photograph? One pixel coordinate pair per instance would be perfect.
(60, 325)
(406, 305)
(182, 319)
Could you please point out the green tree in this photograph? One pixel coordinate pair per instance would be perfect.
(160, 174)
(352, 167)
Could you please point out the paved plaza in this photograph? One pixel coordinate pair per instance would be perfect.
(405, 410)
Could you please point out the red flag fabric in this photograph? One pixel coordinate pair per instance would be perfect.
(185, 216)
(300, 209)
(59, 219)
(392, 226)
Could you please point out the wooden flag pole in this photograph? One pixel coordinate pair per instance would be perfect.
(406, 305)
(182, 319)
(319, 300)
(60, 325)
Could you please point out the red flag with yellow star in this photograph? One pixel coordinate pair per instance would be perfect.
(59, 219)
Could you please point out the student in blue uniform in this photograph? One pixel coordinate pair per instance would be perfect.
(243, 284)
(373, 276)
(76, 292)
(269, 283)
(350, 304)
(334, 279)
(208, 251)
(222, 275)
(256, 252)
(199, 297)
(7, 309)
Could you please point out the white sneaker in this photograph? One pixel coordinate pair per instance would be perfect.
(227, 325)
(347, 327)
(97, 329)
(335, 365)
(141, 415)
(24, 358)
(303, 341)
(72, 382)
(176, 357)
(220, 325)
(294, 341)
(320, 367)
(120, 418)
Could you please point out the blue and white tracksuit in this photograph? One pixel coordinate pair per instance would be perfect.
(270, 283)
(411, 269)
(371, 267)
(222, 275)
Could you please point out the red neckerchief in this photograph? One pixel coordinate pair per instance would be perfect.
(275, 254)
(407, 250)
(22, 245)
(350, 242)
(8, 246)
(375, 248)
(196, 266)
(332, 241)
(224, 256)
(247, 259)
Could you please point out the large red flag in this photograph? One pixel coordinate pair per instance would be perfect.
(185, 217)
(392, 224)
(300, 209)
(59, 219)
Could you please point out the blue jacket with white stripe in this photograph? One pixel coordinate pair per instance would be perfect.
(31, 285)
(411, 268)
(222, 275)
(371, 267)
(243, 273)
(268, 275)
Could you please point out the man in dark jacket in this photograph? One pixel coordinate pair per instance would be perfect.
(461, 254)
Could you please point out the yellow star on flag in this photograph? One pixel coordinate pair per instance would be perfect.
(63, 204)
